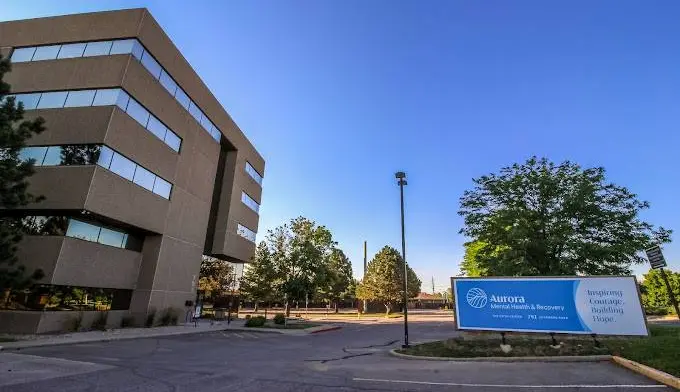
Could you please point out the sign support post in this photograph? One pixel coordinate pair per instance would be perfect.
(674, 300)
(657, 261)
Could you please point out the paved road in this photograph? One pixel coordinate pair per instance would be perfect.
(351, 359)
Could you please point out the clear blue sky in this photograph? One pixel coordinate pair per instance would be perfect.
(338, 95)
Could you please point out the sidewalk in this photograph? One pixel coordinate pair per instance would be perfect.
(27, 341)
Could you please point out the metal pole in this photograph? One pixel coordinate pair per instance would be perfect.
(365, 268)
(674, 301)
(403, 256)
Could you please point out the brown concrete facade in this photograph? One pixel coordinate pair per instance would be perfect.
(204, 209)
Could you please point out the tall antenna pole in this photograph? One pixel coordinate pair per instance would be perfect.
(365, 268)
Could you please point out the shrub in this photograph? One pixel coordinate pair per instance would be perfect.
(127, 322)
(169, 317)
(99, 322)
(280, 318)
(256, 321)
(150, 318)
(247, 316)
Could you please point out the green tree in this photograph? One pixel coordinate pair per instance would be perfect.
(299, 253)
(216, 275)
(259, 278)
(339, 283)
(548, 219)
(384, 279)
(471, 265)
(655, 297)
(14, 174)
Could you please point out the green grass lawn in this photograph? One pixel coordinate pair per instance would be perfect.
(6, 339)
(337, 315)
(661, 350)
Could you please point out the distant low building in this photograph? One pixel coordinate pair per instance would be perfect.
(427, 301)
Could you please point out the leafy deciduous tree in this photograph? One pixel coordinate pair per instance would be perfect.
(384, 279)
(260, 280)
(547, 219)
(338, 285)
(216, 276)
(655, 297)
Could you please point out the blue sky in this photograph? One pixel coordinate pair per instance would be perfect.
(338, 95)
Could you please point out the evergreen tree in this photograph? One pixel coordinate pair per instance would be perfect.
(14, 174)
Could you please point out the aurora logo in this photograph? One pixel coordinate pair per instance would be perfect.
(476, 298)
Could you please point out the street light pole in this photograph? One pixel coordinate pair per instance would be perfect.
(401, 177)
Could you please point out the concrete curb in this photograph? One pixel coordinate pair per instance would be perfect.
(575, 358)
(650, 372)
(22, 344)
(326, 329)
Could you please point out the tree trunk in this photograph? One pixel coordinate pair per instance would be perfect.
(388, 309)
(336, 306)
(287, 308)
(255, 309)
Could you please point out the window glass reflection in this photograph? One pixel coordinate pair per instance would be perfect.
(246, 233)
(52, 100)
(162, 188)
(105, 157)
(253, 173)
(182, 98)
(79, 98)
(111, 238)
(173, 140)
(151, 65)
(97, 48)
(30, 101)
(127, 46)
(144, 178)
(105, 97)
(71, 50)
(22, 54)
(46, 52)
(82, 230)
(80, 154)
(122, 166)
(46, 297)
(137, 111)
(252, 204)
(35, 153)
(168, 83)
(44, 225)
(53, 156)
(195, 111)
(156, 127)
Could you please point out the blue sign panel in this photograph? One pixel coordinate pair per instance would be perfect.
(579, 305)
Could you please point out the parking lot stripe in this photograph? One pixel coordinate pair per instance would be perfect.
(506, 386)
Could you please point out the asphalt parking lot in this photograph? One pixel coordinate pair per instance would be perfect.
(353, 358)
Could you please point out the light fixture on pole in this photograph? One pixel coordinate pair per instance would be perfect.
(401, 177)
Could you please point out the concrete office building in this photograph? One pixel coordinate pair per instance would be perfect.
(142, 170)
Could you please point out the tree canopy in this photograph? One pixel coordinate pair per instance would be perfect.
(384, 279)
(216, 275)
(655, 295)
(542, 218)
(14, 173)
(339, 283)
(260, 280)
(298, 261)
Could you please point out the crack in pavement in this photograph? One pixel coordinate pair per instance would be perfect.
(352, 355)
(338, 359)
